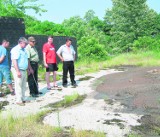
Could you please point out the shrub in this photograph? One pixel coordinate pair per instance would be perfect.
(146, 43)
(90, 48)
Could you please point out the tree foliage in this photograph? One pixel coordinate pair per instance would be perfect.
(18, 8)
(129, 26)
(129, 20)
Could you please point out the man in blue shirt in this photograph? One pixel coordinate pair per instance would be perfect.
(4, 66)
(19, 68)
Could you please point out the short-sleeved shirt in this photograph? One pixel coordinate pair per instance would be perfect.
(3, 52)
(66, 54)
(50, 53)
(21, 56)
(32, 53)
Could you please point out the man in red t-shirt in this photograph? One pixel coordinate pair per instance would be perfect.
(50, 62)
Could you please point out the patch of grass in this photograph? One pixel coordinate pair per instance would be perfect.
(24, 127)
(148, 58)
(133, 135)
(31, 127)
(68, 101)
(86, 78)
(2, 104)
(86, 133)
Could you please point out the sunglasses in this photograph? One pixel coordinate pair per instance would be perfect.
(33, 41)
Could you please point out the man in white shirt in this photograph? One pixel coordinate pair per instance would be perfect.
(66, 53)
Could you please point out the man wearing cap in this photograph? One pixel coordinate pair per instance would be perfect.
(19, 68)
(33, 59)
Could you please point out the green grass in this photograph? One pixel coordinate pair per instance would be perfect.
(149, 58)
(134, 135)
(31, 126)
(22, 127)
(68, 101)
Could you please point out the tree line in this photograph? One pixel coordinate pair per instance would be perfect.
(129, 26)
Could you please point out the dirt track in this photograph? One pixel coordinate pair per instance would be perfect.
(138, 89)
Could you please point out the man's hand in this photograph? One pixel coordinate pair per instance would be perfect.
(31, 71)
(19, 75)
(46, 65)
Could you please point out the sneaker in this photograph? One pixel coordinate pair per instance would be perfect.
(34, 95)
(74, 85)
(26, 101)
(12, 93)
(49, 89)
(20, 103)
(40, 93)
(65, 85)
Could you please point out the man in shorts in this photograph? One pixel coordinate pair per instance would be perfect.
(4, 67)
(50, 62)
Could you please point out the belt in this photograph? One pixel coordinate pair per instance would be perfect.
(19, 69)
(33, 62)
(67, 61)
(22, 70)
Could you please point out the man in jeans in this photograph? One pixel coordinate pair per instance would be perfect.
(4, 67)
(66, 53)
(19, 68)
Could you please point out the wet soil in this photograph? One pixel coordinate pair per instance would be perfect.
(138, 89)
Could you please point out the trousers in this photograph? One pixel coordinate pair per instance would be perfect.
(20, 84)
(68, 66)
(33, 79)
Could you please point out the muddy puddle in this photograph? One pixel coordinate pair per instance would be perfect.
(138, 90)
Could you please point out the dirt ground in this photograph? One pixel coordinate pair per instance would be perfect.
(138, 89)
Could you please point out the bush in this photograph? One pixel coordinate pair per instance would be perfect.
(147, 43)
(90, 48)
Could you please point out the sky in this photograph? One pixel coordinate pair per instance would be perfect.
(58, 10)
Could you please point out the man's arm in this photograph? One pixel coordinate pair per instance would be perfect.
(30, 70)
(16, 67)
(59, 51)
(61, 58)
(44, 60)
(2, 58)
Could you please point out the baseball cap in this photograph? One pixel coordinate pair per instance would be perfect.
(31, 39)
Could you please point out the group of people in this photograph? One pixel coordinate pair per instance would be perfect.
(24, 66)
